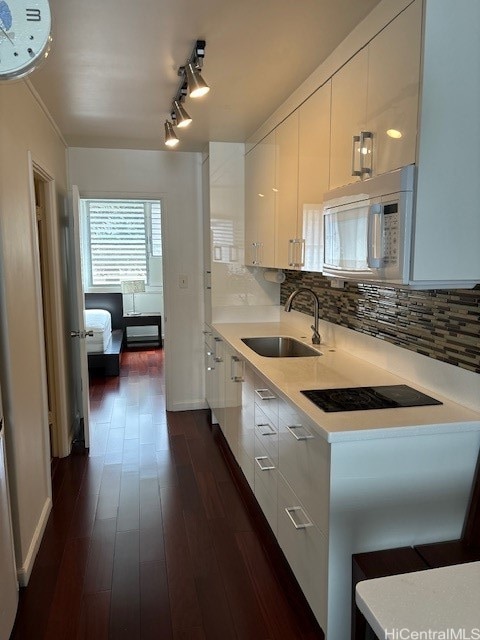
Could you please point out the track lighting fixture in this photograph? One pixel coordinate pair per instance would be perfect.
(180, 116)
(197, 87)
(192, 84)
(171, 139)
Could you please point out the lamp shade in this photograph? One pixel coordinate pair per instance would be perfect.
(197, 86)
(133, 286)
(171, 139)
(181, 115)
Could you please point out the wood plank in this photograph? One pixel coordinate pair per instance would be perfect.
(94, 617)
(98, 575)
(66, 604)
(155, 619)
(125, 596)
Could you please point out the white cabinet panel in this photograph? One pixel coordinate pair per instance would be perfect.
(393, 89)
(286, 184)
(305, 549)
(260, 203)
(375, 92)
(349, 107)
(304, 461)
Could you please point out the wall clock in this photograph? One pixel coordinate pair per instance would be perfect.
(25, 38)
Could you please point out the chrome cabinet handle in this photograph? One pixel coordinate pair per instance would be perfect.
(254, 253)
(265, 394)
(233, 362)
(366, 170)
(297, 522)
(264, 467)
(356, 172)
(266, 429)
(296, 428)
(294, 260)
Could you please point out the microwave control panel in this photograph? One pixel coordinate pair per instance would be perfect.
(391, 233)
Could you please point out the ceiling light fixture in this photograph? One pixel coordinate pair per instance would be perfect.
(180, 116)
(192, 84)
(171, 139)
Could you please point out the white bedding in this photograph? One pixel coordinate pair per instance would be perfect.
(100, 322)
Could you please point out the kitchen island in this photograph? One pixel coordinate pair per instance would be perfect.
(334, 484)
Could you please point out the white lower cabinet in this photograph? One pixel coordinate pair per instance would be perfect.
(304, 462)
(305, 548)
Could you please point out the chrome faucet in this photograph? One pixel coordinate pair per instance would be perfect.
(316, 304)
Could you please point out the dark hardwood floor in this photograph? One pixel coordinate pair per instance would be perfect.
(149, 537)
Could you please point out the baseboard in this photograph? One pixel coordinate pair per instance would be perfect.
(187, 406)
(24, 572)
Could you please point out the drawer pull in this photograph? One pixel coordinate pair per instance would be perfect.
(264, 467)
(299, 432)
(298, 523)
(266, 429)
(265, 394)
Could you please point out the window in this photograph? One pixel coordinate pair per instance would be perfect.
(122, 240)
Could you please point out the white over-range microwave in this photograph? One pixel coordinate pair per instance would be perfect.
(368, 228)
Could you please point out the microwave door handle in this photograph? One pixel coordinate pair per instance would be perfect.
(375, 257)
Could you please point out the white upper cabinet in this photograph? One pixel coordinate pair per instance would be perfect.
(313, 173)
(260, 203)
(286, 194)
(393, 88)
(349, 108)
(375, 103)
(302, 172)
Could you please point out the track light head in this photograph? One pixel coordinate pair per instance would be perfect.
(171, 139)
(181, 117)
(197, 87)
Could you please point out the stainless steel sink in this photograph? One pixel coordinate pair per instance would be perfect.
(280, 347)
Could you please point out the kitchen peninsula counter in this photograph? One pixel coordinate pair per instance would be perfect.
(337, 368)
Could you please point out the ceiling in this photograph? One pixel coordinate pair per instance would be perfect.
(111, 76)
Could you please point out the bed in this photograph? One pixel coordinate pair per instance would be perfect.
(104, 316)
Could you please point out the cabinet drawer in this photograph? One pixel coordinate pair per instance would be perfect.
(266, 399)
(304, 547)
(266, 432)
(246, 462)
(266, 487)
(304, 461)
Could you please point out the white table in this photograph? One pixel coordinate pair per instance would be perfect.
(445, 600)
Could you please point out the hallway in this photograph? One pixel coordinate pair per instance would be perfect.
(149, 538)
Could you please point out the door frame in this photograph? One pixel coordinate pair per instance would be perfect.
(55, 338)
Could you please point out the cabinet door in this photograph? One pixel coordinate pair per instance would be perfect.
(260, 203)
(251, 197)
(393, 90)
(218, 381)
(304, 461)
(349, 106)
(246, 427)
(313, 173)
(304, 547)
(286, 194)
(233, 398)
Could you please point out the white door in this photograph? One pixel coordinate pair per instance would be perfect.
(8, 574)
(77, 320)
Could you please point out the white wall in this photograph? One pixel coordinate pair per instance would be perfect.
(24, 127)
(176, 178)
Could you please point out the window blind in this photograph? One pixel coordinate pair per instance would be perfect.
(117, 241)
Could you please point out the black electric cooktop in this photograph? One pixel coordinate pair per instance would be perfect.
(363, 398)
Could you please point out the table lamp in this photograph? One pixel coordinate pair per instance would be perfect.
(133, 287)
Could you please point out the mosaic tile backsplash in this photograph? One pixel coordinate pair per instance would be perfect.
(444, 325)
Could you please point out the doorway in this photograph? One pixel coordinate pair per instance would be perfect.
(50, 309)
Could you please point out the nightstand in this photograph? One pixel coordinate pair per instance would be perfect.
(143, 320)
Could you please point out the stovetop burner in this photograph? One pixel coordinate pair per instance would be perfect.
(364, 398)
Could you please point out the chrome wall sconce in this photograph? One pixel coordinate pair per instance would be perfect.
(193, 85)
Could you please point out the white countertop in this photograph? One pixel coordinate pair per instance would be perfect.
(436, 600)
(337, 368)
